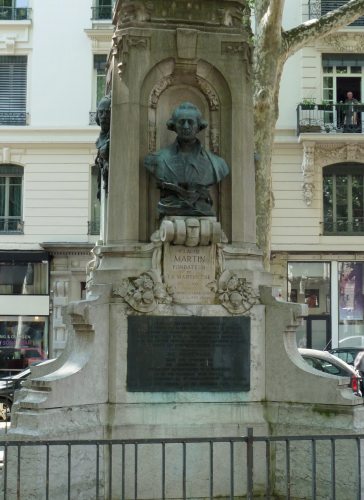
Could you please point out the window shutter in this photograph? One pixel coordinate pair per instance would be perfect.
(13, 87)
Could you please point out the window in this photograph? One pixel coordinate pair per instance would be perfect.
(329, 5)
(103, 9)
(24, 278)
(99, 83)
(13, 90)
(11, 180)
(15, 10)
(343, 199)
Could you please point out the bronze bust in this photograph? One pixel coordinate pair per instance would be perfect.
(185, 169)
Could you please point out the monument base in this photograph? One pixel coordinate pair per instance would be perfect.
(88, 393)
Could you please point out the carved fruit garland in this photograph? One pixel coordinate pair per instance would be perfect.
(143, 293)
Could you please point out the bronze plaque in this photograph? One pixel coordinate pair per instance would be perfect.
(188, 353)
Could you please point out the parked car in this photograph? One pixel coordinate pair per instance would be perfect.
(352, 341)
(8, 385)
(347, 354)
(15, 359)
(328, 363)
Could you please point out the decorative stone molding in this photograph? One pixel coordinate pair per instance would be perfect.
(345, 42)
(308, 171)
(160, 87)
(327, 154)
(122, 45)
(143, 293)
(191, 231)
(209, 93)
(235, 293)
(229, 13)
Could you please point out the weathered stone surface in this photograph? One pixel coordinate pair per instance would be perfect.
(188, 271)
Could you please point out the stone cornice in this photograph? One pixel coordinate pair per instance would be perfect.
(31, 135)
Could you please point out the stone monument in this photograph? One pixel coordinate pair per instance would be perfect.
(179, 335)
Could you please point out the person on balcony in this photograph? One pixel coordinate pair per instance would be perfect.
(350, 113)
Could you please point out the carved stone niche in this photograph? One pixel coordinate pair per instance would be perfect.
(199, 84)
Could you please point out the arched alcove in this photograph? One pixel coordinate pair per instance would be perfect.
(164, 88)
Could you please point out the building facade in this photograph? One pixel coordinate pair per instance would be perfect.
(318, 183)
(52, 74)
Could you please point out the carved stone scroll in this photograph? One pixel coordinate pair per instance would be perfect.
(308, 171)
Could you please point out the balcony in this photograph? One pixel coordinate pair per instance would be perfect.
(14, 14)
(93, 227)
(102, 13)
(11, 225)
(330, 118)
(343, 226)
(13, 118)
(92, 118)
(317, 8)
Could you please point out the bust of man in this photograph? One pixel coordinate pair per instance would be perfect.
(103, 114)
(185, 169)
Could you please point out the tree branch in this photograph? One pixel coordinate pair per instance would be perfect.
(296, 38)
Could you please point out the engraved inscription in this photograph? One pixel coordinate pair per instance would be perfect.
(179, 353)
(188, 271)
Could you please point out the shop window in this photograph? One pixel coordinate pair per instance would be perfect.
(309, 283)
(11, 181)
(23, 341)
(351, 304)
(343, 199)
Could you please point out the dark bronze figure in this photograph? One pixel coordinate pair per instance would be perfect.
(185, 169)
(103, 115)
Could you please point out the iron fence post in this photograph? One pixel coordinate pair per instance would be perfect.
(249, 462)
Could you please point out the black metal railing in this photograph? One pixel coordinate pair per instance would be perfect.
(92, 118)
(311, 466)
(11, 225)
(93, 227)
(332, 118)
(13, 118)
(317, 8)
(342, 226)
(14, 14)
(102, 12)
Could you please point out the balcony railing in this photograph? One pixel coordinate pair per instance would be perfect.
(317, 8)
(11, 225)
(92, 118)
(93, 227)
(13, 118)
(333, 118)
(102, 12)
(343, 226)
(14, 14)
